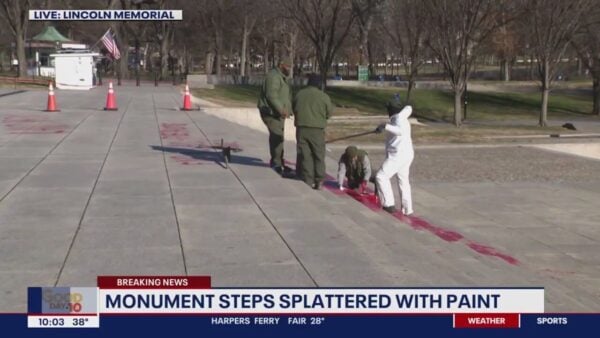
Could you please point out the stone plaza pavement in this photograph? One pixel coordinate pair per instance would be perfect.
(142, 191)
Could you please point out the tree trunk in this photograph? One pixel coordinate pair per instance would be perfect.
(218, 51)
(164, 63)
(596, 90)
(505, 70)
(370, 55)
(457, 106)
(544, 112)
(266, 60)
(20, 45)
(365, 50)
(411, 85)
(244, 46)
(146, 57)
(208, 62)
(531, 67)
(292, 52)
(124, 69)
(218, 63)
(545, 94)
(323, 73)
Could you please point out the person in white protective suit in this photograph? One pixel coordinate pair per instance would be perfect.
(399, 157)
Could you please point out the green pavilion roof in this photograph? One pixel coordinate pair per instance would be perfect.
(50, 34)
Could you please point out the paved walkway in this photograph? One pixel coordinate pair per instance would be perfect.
(140, 191)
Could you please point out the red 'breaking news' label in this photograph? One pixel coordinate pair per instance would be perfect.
(154, 282)
(487, 320)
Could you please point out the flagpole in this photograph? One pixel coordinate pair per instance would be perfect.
(94, 45)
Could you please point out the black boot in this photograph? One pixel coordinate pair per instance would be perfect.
(391, 209)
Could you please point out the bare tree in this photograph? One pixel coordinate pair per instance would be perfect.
(249, 16)
(16, 13)
(506, 43)
(587, 44)
(214, 15)
(264, 38)
(366, 11)
(326, 23)
(405, 25)
(456, 28)
(553, 25)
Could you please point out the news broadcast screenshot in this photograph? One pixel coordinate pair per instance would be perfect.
(299, 168)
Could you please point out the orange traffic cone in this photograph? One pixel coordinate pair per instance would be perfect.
(111, 102)
(51, 107)
(187, 99)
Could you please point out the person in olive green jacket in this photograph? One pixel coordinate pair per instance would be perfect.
(354, 166)
(275, 106)
(312, 109)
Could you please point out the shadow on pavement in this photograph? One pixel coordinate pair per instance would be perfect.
(213, 156)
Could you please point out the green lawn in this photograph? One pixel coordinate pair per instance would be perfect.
(429, 103)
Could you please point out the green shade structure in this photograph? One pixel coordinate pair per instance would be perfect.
(50, 34)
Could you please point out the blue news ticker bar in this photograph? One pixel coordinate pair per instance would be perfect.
(571, 325)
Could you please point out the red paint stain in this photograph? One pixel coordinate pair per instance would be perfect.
(559, 272)
(489, 251)
(421, 224)
(369, 200)
(174, 131)
(16, 124)
(177, 135)
(187, 160)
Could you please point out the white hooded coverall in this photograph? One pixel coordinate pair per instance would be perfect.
(399, 156)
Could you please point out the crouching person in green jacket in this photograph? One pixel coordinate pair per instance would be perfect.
(312, 109)
(354, 166)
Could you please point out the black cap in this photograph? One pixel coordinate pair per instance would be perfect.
(394, 105)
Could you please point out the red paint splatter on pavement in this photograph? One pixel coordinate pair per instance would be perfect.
(188, 149)
(421, 224)
(557, 274)
(370, 200)
(489, 251)
(17, 124)
(174, 131)
(367, 198)
(187, 160)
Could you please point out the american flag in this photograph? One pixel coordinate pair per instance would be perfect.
(111, 45)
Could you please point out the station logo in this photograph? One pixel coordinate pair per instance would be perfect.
(62, 300)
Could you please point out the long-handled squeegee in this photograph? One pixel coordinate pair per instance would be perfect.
(351, 136)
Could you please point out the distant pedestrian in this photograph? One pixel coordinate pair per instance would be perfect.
(275, 106)
(399, 157)
(312, 109)
(354, 166)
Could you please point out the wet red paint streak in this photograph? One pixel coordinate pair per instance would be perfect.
(16, 124)
(421, 224)
(369, 200)
(489, 251)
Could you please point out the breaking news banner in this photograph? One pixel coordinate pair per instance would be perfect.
(105, 15)
(162, 306)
